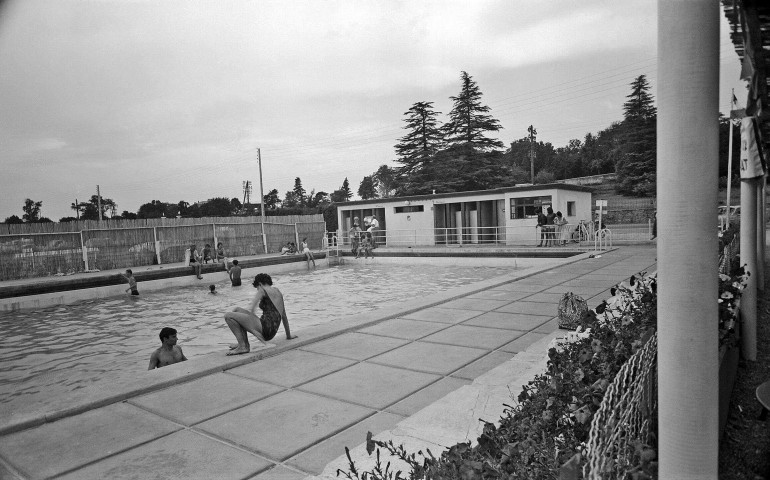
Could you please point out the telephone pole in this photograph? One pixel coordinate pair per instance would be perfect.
(532, 154)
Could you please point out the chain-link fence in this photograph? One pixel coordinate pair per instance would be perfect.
(627, 417)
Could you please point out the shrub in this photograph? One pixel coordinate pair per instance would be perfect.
(546, 430)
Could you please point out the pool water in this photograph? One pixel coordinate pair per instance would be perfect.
(62, 349)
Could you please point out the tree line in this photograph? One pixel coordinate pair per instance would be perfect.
(462, 153)
(459, 154)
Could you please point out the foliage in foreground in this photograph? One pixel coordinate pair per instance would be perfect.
(544, 433)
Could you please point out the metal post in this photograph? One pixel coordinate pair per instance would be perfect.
(749, 262)
(730, 157)
(687, 191)
(261, 199)
(760, 196)
(214, 227)
(157, 243)
(84, 250)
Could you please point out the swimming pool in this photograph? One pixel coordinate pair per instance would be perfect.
(66, 348)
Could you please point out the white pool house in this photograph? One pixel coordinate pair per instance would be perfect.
(500, 216)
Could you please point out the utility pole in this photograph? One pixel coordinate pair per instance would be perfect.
(77, 209)
(99, 204)
(532, 154)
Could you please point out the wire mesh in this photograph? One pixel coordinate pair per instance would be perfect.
(626, 417)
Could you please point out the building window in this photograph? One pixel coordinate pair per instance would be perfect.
(528, 207)
(571, 209)
(410, 208)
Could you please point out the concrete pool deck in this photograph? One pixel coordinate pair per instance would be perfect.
(421, 372)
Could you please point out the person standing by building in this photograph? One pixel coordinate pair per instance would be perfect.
(374, 225)
(355, 234)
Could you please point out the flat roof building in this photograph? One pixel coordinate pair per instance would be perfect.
(502, 215)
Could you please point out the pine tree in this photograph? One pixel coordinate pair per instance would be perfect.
(637, 143)
(424, 139)
(640, 104)
(299, 192)
(346, 189)
(469, 122)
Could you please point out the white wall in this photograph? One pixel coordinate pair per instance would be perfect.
(402, 227)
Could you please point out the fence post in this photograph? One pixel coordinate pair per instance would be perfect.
(214, 227)
(296, 235)
(264, 237)
(157, 243)
(84, 251)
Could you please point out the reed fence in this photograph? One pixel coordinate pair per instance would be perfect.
(36, 254)
(120, 223)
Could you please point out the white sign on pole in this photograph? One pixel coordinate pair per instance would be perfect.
(601, 203)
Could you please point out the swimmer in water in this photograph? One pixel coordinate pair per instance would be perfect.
(168, 353)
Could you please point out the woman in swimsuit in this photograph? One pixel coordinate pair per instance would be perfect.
(241, 321)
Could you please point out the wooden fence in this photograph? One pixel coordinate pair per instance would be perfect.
(31, 255)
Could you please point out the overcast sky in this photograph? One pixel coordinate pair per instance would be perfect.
(169, 100)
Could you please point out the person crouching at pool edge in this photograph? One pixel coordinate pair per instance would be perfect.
(242, 322)
(168, 353)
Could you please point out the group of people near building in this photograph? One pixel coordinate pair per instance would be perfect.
(554, 228)
(362, 242)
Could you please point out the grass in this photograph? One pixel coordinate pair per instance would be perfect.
(744, 451)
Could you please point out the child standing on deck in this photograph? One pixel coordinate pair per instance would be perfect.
(129, 275)
(308, 254)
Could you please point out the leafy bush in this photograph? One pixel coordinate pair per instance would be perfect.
(544, 434)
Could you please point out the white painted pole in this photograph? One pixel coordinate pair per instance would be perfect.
(749, 262)
(760, 197)
(157, 243)
(730, 158)
(84, 250)
(687, 191)
(261, 200)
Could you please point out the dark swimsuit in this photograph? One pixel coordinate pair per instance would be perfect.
(271, 318)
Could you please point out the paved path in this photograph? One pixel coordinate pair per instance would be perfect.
(423, 378)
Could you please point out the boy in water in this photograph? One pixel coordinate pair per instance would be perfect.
(235, 274)
(168, 353)
(131, 282)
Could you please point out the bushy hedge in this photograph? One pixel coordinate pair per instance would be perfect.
(543, 434)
